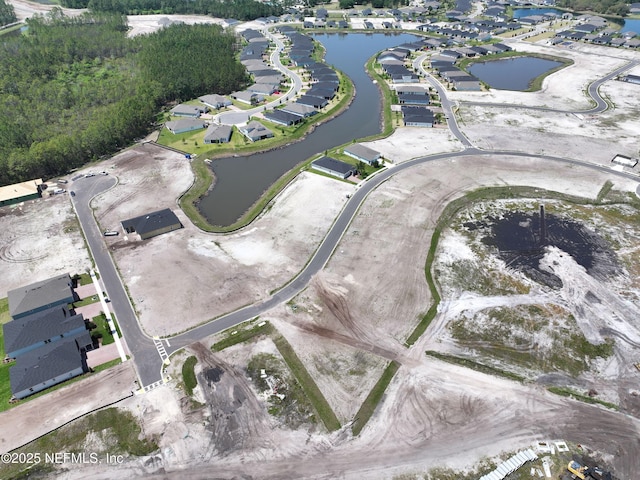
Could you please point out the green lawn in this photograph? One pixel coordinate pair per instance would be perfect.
(103, 329)
(84, 279)
(4, 312)
(189, 375)
(373, 399)
(5, 389)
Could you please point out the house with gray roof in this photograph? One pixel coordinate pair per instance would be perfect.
(46, 366)
(38, 329)
(250, 98)
(363, 153)
(184, 125)
(282, 118)
(183, 110)
(215, 101)
(218, 134)
(263, 88)
(333, 167)
(417, 117)
(152, 224)
(299, 109)
(255, 131)
(48, 342)
(40, 296)
(315, 102)
(466, 84)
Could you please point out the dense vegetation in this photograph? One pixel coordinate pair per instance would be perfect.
(238, 9)
(75, 89)
(180, 60)
(609, 7)
(7, 14)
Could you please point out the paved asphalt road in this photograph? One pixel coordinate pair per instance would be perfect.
(147, 360)
(146, 357)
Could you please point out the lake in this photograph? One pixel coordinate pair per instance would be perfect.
(527, 12)
(515, 73)
(240, 181)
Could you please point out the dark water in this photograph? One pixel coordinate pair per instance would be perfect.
(512, 73)
(528, 12)
(521, 244)
(242, 180)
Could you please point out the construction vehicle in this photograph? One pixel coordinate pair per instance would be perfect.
(577, 469)
(593, 473)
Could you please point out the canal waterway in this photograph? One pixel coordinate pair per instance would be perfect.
(240, 181)
(512, 73)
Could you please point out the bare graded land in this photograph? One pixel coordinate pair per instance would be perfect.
(583, 334)
(207, 274)
(433, 413)
(38, 240)
(591, 137)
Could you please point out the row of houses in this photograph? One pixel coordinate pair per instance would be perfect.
(459, 79)
(598, 36)
(45, 337)
(392, 62)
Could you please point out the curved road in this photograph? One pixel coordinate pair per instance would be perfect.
(146, 356)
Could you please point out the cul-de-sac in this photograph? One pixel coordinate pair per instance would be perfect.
(304, 240)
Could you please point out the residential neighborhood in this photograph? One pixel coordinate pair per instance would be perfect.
(401, 244)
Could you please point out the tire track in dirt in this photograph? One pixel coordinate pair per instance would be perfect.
(10, 255)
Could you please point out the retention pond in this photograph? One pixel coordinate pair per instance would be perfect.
(521, 239)
(517, 73)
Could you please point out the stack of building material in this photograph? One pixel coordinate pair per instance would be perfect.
(511, 465)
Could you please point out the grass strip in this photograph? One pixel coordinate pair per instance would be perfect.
(479, 367)
(189, 374)
(373, 399)
(568, 392)
(604, 191)
(108, 365)
(242, 336)
(311, 390)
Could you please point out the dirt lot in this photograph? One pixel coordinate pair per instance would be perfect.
(429, 404)
(30, 233)
(208, 274)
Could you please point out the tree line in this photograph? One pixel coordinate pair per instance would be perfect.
(7, 14)
(238, 9)
(76, 88)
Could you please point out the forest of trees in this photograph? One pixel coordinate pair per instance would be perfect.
(238, 9)
(77, 88)
(7, 14)
(608, 7)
